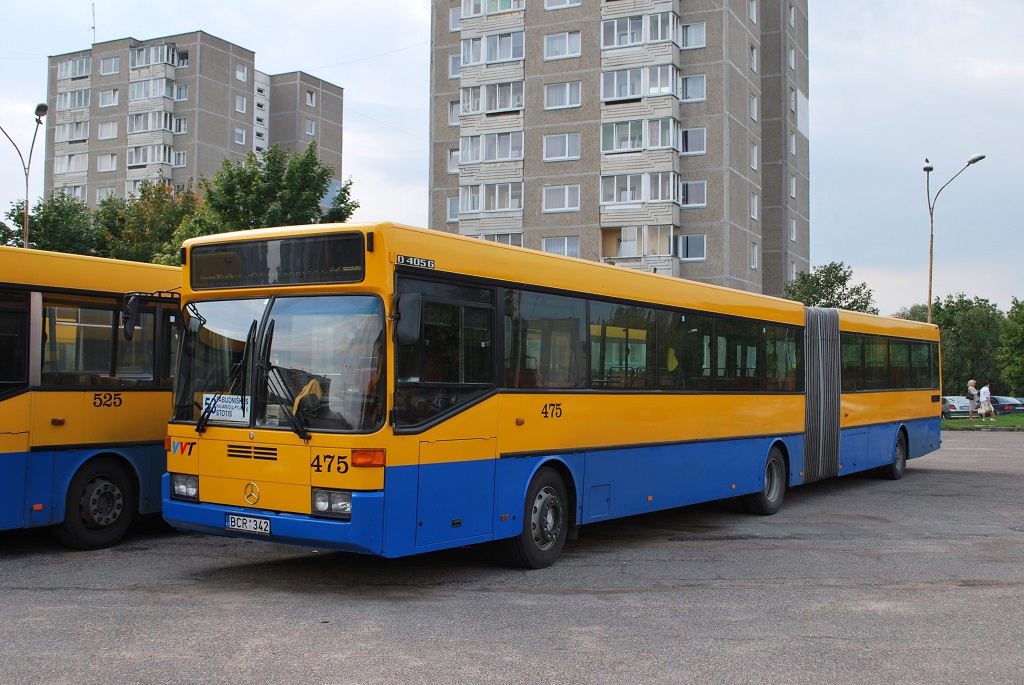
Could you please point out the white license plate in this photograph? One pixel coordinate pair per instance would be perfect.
(248, 524)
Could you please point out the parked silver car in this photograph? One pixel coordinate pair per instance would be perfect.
(955, 407)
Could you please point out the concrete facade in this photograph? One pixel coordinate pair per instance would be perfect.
(670, 146)
(170, 110)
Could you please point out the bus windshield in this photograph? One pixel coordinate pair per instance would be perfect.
(317, 364)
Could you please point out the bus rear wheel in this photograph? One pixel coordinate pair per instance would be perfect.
(898, 467)
(99, 508)
(769, 500)
(545, 527)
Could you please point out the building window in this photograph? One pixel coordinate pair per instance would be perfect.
(504, 47)
(179, 158)
(259, 135)
(470, 100)
(469, 199)
(106, 163)
(753, 107)
(240, 136)
(561, 146)
(108, 66)
(182, 58)
(753, 206)
(260, 121)
(79, 67)
(753, 255)
(565, 245)
(503, 196)
(503, 147)
(103, 193)
(260, 105)
(500, 97)
(621, 85)
(663, 186)
(107, 130)
(622, 136)
(792, 14)
(311, 98)
(621, 188)
(792, 58)
(691, 247)
(241, 72)
(792, 187)
(181, 93)
(664, 26)
(792, 230)
(455, 19)
(792, 143)
(453, 209)
(693, 36)
(76, 192)
(753, 59)
(752, 11)
(132, 187)
(472, 52)
(662, 80)
(240, 104)
(454, 110)
(560, 95)
(561, 198)
(108, 98)
(180, 125)
(310, 127)
(622, 31)
(453, 161)
(497, 6)
(792, 270)
(693, 141)
(693, 88)
(454, 65)
(694, 194)
(559, 4)
(792, 99)
(73, 99)
(663, 133)
(71, 132)
(504, 238)
(753, 156)
(469, 149)
(562, 45)
(137, 156)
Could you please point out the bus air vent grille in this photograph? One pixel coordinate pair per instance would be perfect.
(252, 452)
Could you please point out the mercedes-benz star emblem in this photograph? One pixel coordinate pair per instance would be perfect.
(252, 493)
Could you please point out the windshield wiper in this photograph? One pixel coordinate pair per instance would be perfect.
(277, 386)
(237, 378)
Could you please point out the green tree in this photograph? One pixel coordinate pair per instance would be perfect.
(916, 312)
(829, 286)
(137, 228)
(58, 224)
(970, 331)
(1011, 348)
(342, 206)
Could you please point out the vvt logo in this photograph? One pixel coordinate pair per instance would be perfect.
(182, 447)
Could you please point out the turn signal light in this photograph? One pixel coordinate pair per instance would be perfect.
(368, 457)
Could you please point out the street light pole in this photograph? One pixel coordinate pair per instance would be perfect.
(928, 168)
(41, 110)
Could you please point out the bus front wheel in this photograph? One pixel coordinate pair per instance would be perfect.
(99, 508)
(769, 500)
(545, 527)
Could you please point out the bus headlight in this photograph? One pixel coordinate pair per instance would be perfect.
(185, 486)
(333, 503)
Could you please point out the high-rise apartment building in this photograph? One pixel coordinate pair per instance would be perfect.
(171, 110)
(661, 135)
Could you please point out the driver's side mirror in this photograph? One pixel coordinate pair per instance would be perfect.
(407, 318)
(129, 316)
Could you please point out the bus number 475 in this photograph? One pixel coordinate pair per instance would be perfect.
(552, 410)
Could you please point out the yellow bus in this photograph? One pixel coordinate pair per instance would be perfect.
(389, 390)
(84, 399)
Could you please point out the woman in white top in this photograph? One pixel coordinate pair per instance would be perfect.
(972, 396)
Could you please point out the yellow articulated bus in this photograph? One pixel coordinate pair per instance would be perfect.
(84, 398)
(389, 390)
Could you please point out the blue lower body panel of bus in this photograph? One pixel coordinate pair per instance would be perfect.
(290, 529)
(36, 483)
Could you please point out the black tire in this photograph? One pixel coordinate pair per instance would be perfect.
(898, 467)
(100, 506)
(769, 500)
(545, 524)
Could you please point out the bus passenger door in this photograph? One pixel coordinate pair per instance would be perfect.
(455, 498)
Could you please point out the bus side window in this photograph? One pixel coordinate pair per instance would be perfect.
(13, 341)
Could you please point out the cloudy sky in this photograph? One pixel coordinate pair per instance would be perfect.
(892, 82)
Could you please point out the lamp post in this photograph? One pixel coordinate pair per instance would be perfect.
(41, 110)
(928, 168)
